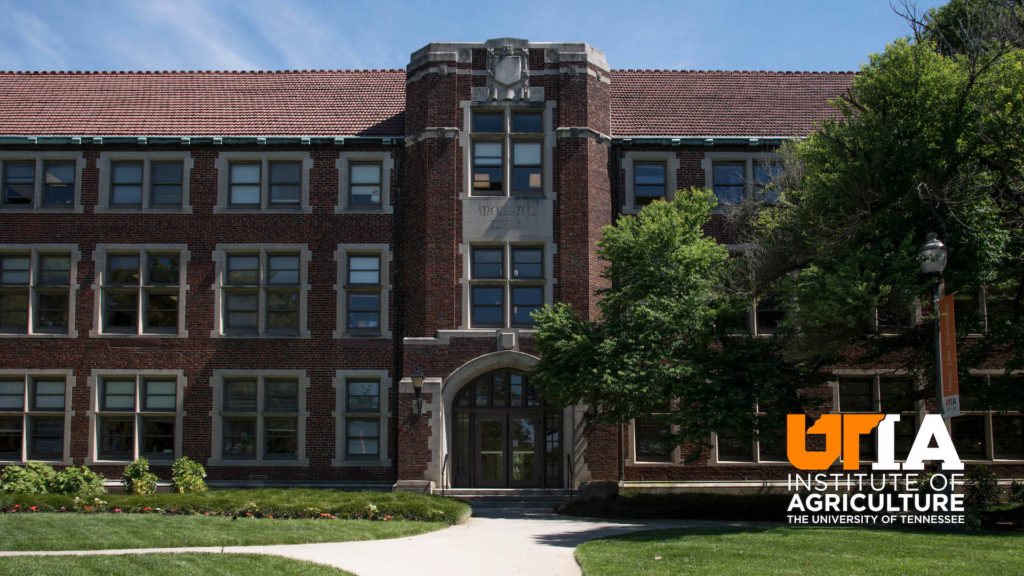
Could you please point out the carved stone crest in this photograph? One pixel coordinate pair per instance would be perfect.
(508, 73)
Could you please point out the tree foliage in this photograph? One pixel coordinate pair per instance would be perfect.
(657, 339)
(930, 138)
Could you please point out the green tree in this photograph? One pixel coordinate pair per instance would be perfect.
(929, 139)
(656, 336)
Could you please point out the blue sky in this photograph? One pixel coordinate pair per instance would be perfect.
(322, 34)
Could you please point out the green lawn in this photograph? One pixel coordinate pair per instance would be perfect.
(49, 531)
(160, 564)
(789, 550)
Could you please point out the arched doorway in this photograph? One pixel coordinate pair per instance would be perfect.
(504, 435)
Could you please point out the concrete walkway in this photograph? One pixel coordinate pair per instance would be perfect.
(504, 543)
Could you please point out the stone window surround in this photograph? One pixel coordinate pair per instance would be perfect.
(387, 165)
(989, 429)
(216, 417)
(223, 165)
(715, 460)
(40, 159)
(675, 458)
(95, 411)
(105, 160)
(339, 383)
(35, 250)
(672, 165)
(69, 384)
(737, 250)
(99, 257)
(548, 138)
(549, 250)
(710, 158)
(341, 257)
(876, 375)
(220, 254)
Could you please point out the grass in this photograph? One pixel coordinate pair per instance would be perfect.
(165, 564)
(290, 502)
(802, 550)
(49, 531)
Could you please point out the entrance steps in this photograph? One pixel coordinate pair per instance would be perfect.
(487, 501)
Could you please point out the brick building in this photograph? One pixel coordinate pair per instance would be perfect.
(247, 267)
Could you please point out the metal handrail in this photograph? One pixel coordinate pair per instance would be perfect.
(572, 475)
(444, 474)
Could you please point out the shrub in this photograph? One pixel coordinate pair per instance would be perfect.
(187, 475)
(981, 486)
(34, 478)
(75, 480)
(137, 478)
(1017, 492)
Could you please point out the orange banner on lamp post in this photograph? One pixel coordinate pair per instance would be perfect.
(947, 339)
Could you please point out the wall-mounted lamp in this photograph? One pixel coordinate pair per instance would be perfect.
(417, 387)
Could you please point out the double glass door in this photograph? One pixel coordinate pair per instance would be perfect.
(505, 437)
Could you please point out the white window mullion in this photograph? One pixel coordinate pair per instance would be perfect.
(259, 428)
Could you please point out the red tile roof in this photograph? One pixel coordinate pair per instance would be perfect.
(721, 103)
(372, 103)
(294, 103)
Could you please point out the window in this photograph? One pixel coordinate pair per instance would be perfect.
(735, 176)
(143, 289)
(126, 184)
(19, 183)
(768, 446)
(365, 182)
(507, 152)
(362, 423)
(650, 434)
(983, 434)
(261, 417)
(882, 395)
(144, 181)
(36, 289)
(262, 290)
(41, 181)
(497, 273)
(137, 415)
(285, 184)
(648, 182)
(649, 176)
(33, 417)
(363, 289)
(362, 397)
(276, 182)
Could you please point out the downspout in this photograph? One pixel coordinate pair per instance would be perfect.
(397, 299)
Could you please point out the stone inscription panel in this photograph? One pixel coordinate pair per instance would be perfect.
(506, 218)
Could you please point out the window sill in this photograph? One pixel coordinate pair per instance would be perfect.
(336, 463)
(60, 462)
(361, 210)
(36, 335)
(148, 336)
(302, 462)
(138, 210)
(253, 336)
(126, 461)
(42, 210)
(258, 210)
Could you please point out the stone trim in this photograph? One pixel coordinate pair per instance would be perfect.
(99, 257)
(40, 159)
(340, 384)
(223, 165)
(341, 257)
(95, 412)
(217, 414)
(671, 161)
(105, 160)
(69, 384)
(387, 165)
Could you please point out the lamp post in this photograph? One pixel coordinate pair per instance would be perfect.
(417, 387)
(932, 256)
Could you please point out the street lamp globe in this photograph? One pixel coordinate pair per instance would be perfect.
(932, 256)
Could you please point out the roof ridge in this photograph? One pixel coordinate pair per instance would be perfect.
(778, 72)
(203, 72)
